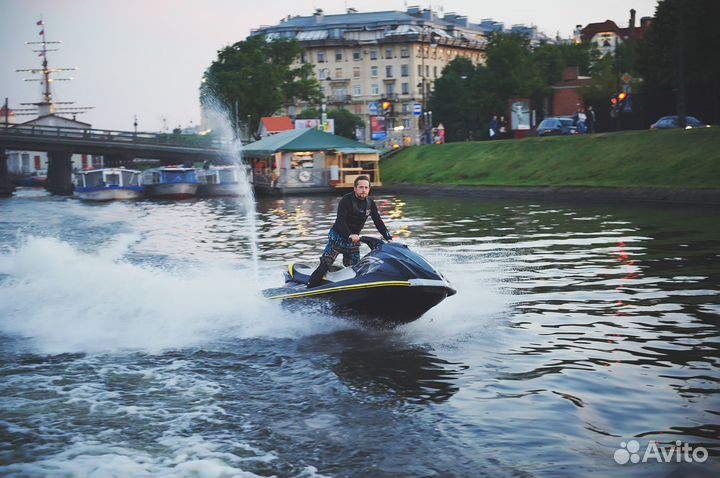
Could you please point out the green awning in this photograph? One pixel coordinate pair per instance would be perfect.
(299, 140)
(364, 150)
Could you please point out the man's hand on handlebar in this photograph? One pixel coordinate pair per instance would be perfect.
(354, 238)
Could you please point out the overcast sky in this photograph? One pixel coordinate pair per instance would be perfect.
(146, 57)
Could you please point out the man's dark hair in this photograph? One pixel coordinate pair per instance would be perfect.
(361, 178)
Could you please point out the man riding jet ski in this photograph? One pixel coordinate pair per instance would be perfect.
(391, 283)
(344, 236)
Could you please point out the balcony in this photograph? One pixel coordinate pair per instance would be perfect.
(338, 99)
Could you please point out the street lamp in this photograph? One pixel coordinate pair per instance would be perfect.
(426, 30)
(135, 124)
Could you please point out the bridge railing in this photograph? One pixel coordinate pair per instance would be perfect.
(105, 135)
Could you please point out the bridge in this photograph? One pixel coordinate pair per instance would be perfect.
(118, 148)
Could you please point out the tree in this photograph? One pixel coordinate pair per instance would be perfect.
(680, 44)
(552, 59)
(512, 72)
(258, 77)
(346, 122)
(466, 97)
(453, 102)
(605, 76)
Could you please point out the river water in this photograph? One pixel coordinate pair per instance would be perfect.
(134, 342)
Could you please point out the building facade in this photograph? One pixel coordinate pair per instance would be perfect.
(566, 99)
(364, 59)
(606, 36)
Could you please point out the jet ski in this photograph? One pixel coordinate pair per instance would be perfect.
(391, 284)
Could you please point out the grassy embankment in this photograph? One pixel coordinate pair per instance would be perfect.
(632, 159)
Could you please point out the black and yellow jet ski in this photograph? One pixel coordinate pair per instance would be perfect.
(391, 283)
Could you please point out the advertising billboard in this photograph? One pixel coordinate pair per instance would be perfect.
(377, 128)
(520, 114)
(315, 123)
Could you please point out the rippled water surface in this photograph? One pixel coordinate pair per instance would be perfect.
(134, 342)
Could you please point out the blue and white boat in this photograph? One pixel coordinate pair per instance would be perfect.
(219, 181)
(174, 182)
(107, 184)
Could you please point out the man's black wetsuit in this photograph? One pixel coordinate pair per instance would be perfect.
(351, 216)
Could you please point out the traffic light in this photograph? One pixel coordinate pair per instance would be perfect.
(617, 102)
(387, 108)
(621, 98)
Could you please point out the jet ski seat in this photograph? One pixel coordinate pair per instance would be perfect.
(343, 274)
(301, 273)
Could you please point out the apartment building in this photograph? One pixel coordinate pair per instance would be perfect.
(362, 59)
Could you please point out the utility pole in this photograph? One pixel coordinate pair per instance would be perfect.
(617, 85)
(681, 105)
(426, 30)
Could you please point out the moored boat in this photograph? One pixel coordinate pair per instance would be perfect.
(219, 181)
(34, 180)
(106, 184)
(172, 182)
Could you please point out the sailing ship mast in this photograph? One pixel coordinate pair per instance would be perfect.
(47, 106)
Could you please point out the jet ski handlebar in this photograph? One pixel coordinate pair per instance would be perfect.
(372, 242)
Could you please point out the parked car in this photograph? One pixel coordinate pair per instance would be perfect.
(556, 125)
(670, 122)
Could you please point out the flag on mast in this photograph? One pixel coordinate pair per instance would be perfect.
(39, 22)
(42, 32)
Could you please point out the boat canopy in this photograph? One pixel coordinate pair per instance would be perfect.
(169, 175)
(108, 177)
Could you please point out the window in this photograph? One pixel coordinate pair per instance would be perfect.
(373, 54)
(404, 70)
(375, 89)
(427, 70)
(304, 57)
(302, 161)
(405, 88)
(388, 71)
(406, 124)
(340, 93)
(373, 72)
(338, 55)
(356, 72)
(389, 53)
(322, 91)
(356, 55)
(338, 73)
(406, 108)
(435, 71)
(357, 91)
(321, 57)
(390, 89)
(323, 74)
(404, 52)
(420, 70)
